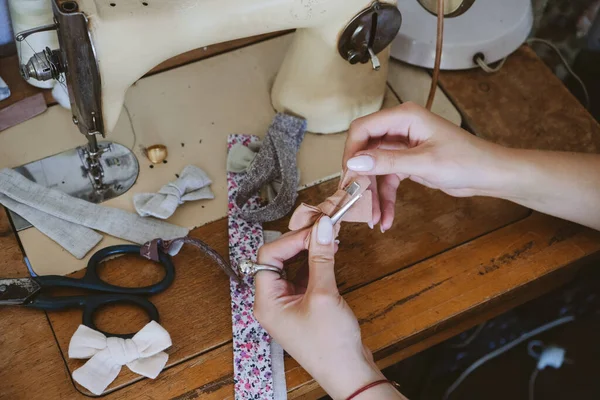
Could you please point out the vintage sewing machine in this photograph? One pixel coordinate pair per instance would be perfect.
(105, 48)
(335, 69)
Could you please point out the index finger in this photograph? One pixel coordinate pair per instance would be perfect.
(287, 246)
(269, 285)
(395, 121)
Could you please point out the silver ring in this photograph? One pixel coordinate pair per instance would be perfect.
(250, 268)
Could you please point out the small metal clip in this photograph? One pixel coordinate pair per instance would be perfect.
(352, 190)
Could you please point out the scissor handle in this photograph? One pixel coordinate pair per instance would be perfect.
(92, 281)
(91, 304)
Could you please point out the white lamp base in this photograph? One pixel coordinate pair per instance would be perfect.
(494, 28)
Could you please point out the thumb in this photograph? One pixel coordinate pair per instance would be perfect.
(271, 291)
(269, 285)
(321, 251)
(385, 162)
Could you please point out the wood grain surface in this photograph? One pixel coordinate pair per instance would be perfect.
(29, 356)
(195, 310)
(446, 265)
(523, 105)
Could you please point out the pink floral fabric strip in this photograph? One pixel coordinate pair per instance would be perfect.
(252, 365)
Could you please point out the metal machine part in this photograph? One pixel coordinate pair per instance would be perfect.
(23, 35)
(42, 66)
(353, 192)
(452, 8)
(17, 291)
(75, 58)
(369, 33)
(81, 68)
(77, 50)
(69, 173)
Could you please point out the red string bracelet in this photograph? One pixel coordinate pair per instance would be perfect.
(369, 386)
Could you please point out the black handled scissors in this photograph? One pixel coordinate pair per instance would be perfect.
(29, 291)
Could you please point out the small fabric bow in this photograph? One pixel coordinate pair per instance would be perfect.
(143, 354)
(240, 157)
(362, 211)
(192, 184)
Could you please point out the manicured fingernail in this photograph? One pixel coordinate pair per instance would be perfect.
(381, 228)
(361, 163)
(370, 223)
(337, 241)
(325, 231)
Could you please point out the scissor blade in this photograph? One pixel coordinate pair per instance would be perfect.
(17, 291)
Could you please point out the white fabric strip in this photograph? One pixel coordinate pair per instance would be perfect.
(279, 384)
(65, 219)
(277, 365)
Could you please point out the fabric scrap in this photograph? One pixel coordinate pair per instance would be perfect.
(71, 222)
(278, 365)
(151, 250)
(4, 90)
(276, 161)
(193, 184)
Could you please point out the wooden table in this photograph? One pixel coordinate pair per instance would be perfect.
(447, 264)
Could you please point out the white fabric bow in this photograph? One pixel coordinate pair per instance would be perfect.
(143, 354)
(192, 184)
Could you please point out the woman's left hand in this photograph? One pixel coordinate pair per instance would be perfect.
(309, 318)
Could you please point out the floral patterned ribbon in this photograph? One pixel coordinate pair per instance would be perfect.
(252, 365)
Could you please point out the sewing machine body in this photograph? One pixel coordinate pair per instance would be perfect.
(105, 47)
(130, 37)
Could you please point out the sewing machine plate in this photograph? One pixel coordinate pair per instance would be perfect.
(66, 172)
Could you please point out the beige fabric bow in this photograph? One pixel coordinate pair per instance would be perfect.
(306, 215)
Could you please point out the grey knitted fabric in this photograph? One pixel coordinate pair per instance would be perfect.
(276, 161)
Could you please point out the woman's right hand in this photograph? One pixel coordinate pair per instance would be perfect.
(409, 141)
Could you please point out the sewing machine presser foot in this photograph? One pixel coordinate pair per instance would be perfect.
(95, 177)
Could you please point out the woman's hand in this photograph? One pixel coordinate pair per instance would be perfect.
(410, 142)
(311, 320)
